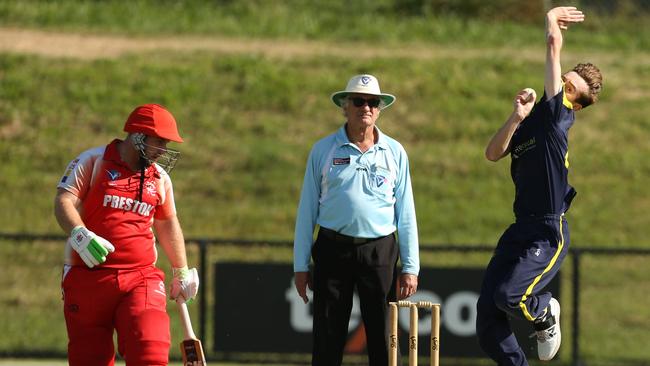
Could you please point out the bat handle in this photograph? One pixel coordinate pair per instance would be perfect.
(185, 319)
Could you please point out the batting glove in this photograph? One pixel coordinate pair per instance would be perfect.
(185, 284)
(91, 247)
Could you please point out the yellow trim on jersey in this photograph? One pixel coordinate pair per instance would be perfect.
(529, 290)
(566, 159)
(566, 101)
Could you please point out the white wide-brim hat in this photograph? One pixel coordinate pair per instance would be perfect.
(363, 84)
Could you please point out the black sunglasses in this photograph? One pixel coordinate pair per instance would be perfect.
(360, 102)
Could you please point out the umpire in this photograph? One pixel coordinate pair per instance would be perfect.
(357, 188)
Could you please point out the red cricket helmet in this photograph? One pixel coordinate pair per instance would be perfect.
(153, 120)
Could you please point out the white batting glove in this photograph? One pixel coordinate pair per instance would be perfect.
(185, 284)
(91, 247)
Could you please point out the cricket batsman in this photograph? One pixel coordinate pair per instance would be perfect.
(115, 202)
(531, 250)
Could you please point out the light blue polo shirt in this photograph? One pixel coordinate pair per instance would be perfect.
(360, 194)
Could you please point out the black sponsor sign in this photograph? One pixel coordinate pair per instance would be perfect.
(257, 309)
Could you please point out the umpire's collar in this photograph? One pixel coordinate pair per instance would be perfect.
(342, 138)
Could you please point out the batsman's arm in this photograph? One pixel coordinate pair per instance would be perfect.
(170, 237)
(91, 247)
(185, 281)
(66, 210)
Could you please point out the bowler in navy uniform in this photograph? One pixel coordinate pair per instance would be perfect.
(531, 250)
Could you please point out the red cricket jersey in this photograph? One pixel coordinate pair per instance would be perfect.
(108, 189)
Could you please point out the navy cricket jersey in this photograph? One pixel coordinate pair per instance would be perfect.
(540, 159)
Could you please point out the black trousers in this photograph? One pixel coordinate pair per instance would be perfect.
(339, 267)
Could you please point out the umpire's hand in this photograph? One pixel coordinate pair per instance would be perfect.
(303, 280)
(408, 284)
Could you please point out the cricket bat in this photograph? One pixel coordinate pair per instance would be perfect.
(191, 348)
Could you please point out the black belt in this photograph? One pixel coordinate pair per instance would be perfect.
(344, 239)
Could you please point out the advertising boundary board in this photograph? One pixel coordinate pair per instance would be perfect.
(257, 310)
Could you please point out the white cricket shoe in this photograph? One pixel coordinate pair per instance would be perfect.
(548, 332)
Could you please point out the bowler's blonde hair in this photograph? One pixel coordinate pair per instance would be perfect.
(591, 74)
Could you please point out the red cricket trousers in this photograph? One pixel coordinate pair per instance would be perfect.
(131, 302)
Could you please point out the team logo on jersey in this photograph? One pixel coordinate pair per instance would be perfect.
(380, 180)
(341, 161)
(69, 169)
(150, 187)
(127, 204)
(524, 147)
(113, 174)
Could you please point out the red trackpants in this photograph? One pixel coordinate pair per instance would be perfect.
(132, 302)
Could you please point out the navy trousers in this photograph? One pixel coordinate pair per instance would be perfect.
(339, 267)
(527, 257)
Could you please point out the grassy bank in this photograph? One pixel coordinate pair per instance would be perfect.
(250, 121)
